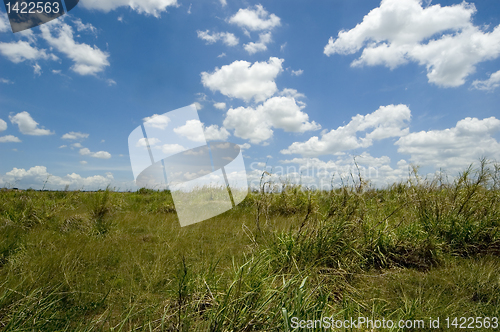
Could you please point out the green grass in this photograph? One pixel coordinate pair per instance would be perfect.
(110, 261)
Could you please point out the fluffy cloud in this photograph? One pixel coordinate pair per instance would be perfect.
(99, 155)
(227, 38)
(151, 7)
(256, 124)
(27, 125)
(220, 106)
(38, 177)
(213, 133)
(297, 72)
(316, 173)
(255, 19)
(20, 51)
(261, 45)
(387, 121)
(87, 60)
(75, 136)
(192, 130)
(399, 31)
(9, 139)
(244, 80)
(3, 125)
(453, 148)
(490, 84)
(157, 121)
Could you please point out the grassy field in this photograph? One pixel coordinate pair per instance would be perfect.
(110, 261)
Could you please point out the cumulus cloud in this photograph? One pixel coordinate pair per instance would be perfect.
(297, 72)
(220, 106)
(453, 148)
(21, 50)
(256, 124)
(72, 135)
(27, 125)
(213, 133)
(443, 39)
(387, 121)
(3, 125)
(151, 7)
(87, 60)
(9, 139)
(157, 121)
(192, 130)
(261, 45)
(244, 80)
(37, 177)
(99, 155)
(255, 19)
(490, 84)
(227, 38)
(316, 173)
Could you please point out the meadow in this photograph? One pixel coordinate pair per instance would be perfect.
(119, 261)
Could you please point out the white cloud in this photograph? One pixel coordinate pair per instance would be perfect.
(172, 148)
(255, 19)
(213, 133)
(3, 125)
(80, 26)
(5, 81)
(297, 72)
(244, 80)
(453, 148)
(220, 106)
(37, 70)
(75, 135)
(151, 141)
(87, 60)
(261, 45)
(387, 121)
(227, 38)
(110, 82)
(192, 130)
(400, 31)
(221, 55)
(151, 7)
(157, 121)
(4, 22)
(27, 125)
(292, 93)
(256, 124)
(63, 146)
(83, 162)
(316, 173)
(9, 139)
(99, 155)
(245, 146)
(223, 3)
(198, 106)
(38, 177)
(77, 145)
(20, 51)
(490, 84)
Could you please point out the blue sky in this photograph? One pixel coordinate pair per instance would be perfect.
(295, 83)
